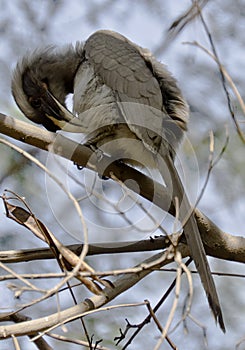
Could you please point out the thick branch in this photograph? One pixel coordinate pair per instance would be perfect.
(20, 318)
(84, 156)
(14, 256)
(217, 243)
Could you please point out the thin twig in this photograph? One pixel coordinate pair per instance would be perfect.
(159, 326)
(156, 307)
(86, 313)
(175, 302)
(121, 284)
(61, 185)
(212, 163)
(62, 338)
(223, 80)
(19, 277)
(15, 342)
(226, 74)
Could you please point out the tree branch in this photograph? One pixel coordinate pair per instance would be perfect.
(84, 156)
(217, 243)
(122, 284)
(18, 318)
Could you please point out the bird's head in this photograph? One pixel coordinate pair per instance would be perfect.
(41, 82)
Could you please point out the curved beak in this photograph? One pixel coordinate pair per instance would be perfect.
(55, 111)
(59, 117)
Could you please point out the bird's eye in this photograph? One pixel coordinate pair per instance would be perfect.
(35, 103)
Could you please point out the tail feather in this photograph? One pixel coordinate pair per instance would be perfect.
(194, 241)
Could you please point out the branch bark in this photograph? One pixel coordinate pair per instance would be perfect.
(217, 243)
(84, 156)
(18, 318)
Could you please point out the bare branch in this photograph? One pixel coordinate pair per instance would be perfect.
(76, 341)
(64, 147)
(223, 80)
(217, 243)
(18, 318)
(226, 74)
(149, 189)
(179, 25)
(122, 284)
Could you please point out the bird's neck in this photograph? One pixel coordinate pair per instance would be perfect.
(61, 69)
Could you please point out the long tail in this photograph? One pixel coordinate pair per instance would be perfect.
(194, 241)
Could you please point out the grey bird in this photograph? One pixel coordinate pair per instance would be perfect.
(128, 105)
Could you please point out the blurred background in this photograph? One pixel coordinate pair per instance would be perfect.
(25, 25)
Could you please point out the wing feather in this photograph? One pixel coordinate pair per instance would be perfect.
(115, 59)
(147, 92)
(121, 67)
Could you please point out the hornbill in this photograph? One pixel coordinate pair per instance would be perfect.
(128, 105)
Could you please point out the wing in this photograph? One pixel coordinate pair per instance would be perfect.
(122, 68)
(148, 96)
(120, 65)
